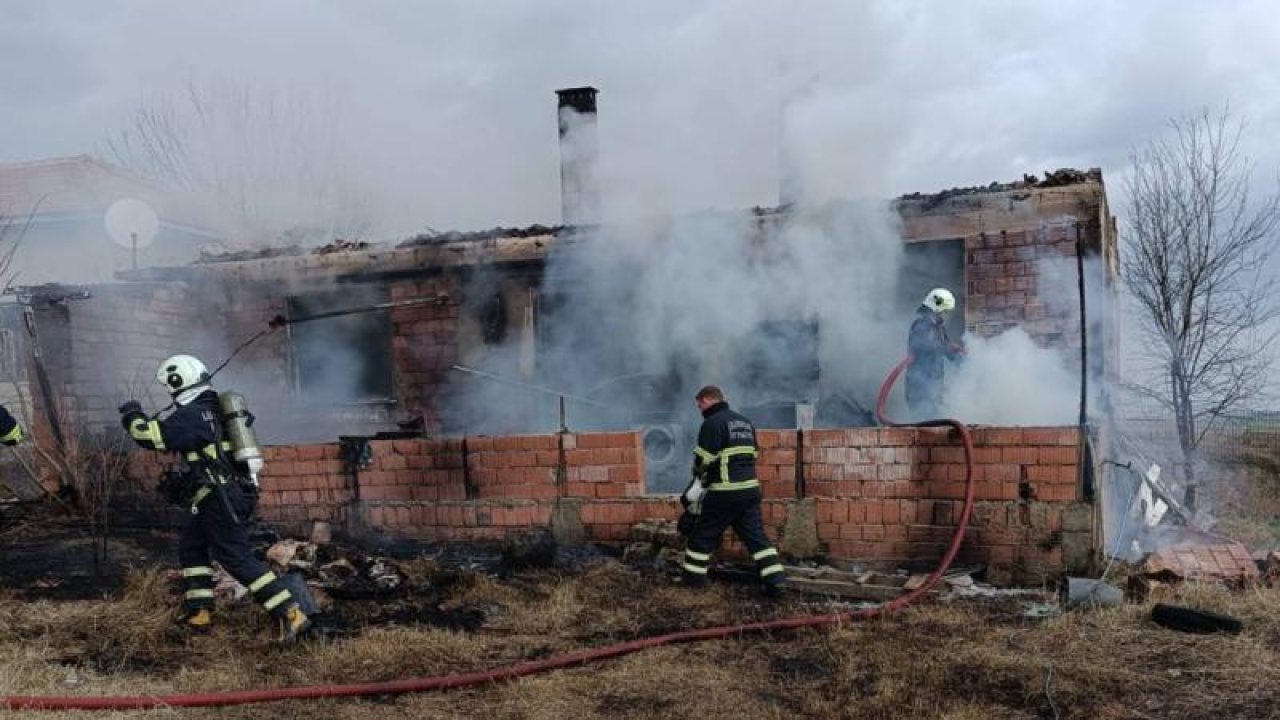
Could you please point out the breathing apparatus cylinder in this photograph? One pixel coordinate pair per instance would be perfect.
(237, 427)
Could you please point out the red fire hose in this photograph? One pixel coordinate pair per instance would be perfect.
(581, 657)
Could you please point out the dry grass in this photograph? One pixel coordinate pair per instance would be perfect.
(961, 660)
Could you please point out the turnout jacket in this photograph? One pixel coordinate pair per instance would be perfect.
(191, 428)
(725, 457)
(929, 346)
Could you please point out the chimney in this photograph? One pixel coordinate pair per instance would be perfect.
(579, 197)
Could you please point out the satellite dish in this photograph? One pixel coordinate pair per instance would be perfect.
(131, 223)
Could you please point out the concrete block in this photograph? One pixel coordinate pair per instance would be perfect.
(566, 522)
(800, 534)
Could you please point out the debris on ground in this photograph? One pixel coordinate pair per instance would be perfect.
(286, 553)
(225, 587)
(1198, 556)
(1089, 593)
(1268, 564)
(1190, 620)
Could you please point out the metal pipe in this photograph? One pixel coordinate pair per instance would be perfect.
(525, 386)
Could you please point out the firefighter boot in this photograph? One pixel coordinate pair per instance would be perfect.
(198, 621)
(293, 624)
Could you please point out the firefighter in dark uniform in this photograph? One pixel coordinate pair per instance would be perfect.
(929, 346)
(221, 499)
(10, 429)
(725, 493)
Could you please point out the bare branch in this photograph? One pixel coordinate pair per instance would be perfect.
(269, 161)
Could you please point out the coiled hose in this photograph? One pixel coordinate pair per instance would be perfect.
(566, 660)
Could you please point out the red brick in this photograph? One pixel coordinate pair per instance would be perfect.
(393, 462)
(1052, 474)
(823, 438)
(1022, 455)
(988, 455)
(611, 490)
(939, 455)
(506, 444)
(538, 442)
(580, 489)
(999, 473)
(1051, 436)
(874, 512)
(894, 473)
(999, 436)
(768, 439)
(899, 437)
(523, 459)
(311, 452)
(952, 490)
(1059, 455)
(373, 478)
(933, 436)
(407, 447)
(1056, 493)
(778, 457)
(606, 456)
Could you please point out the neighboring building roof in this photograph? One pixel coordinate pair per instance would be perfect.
(71, 187)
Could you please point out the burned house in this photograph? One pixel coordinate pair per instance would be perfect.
(460, 385)
(477, 422)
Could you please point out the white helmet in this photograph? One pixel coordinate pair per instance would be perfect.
(182, 372)
(940, 300)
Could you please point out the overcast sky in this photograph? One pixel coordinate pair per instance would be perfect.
(447, 108)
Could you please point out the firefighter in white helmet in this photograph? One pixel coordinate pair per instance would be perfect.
(221, 499)
(929, 346)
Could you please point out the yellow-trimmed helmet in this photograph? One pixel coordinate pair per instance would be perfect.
(940, 300)
(182, 372)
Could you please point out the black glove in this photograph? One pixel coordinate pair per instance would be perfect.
(16, 436)
(129, 412)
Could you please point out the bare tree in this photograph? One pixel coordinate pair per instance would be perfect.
(268, 161)
(1197, 246)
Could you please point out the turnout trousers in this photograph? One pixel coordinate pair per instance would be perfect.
(212, 534)
(739, 509)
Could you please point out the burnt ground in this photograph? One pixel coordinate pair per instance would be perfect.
(58, 561)
(456, 611)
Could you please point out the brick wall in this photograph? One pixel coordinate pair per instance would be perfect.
(113, 342)
(1003, 273)
(424, 344)
(884, 495)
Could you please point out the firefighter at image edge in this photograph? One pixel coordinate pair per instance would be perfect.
(10, 430)
(221, 498)
(725, 492)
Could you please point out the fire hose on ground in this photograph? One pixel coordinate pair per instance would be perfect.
(556, 662)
